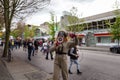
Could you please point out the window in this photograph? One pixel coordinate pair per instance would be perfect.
(99, 39)
(112, 40)
(112, 20)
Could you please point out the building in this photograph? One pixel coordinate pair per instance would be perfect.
(96, 24)
(42, 31)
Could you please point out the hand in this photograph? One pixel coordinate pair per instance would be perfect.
(77, 56)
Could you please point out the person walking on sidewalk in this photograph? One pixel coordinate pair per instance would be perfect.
(74, 58)
(48, 51)
(25, 45)
(36, 44)
(30, 48)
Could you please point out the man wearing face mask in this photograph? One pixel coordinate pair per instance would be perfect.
(61, 47)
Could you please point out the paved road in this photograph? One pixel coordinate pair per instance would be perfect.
(100, 65)
(95, 65)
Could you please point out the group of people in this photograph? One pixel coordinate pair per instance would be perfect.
(62, 47)
(15, 43)
(33, 46)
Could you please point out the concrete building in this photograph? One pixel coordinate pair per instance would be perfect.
(42, 31)
(96, 24)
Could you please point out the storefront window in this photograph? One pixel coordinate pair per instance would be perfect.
(99, 39)
(112, 40)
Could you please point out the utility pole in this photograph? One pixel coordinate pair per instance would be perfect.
(56, 28)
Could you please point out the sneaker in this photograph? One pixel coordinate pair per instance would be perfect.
(51, 58)
(29, 59)
(70, 72)
(46, 58)
(78, 72)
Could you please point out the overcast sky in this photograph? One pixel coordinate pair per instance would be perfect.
(85, 8)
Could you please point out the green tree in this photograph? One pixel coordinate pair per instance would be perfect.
(15, 33)
(115, 27)
(52, 30)
(18, 8)
(29, 31)
(18, 32)
(52, 25)
(74, 21)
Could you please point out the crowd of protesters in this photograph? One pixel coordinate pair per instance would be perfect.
(32, 46)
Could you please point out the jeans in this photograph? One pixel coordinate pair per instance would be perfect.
(12, 47)
(76, 62)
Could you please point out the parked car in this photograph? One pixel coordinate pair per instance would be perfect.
(115, 49)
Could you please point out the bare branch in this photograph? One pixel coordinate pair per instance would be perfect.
(25, 7)
(1, 2)
(14, 8)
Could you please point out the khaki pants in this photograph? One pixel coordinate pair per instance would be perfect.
(60, 65)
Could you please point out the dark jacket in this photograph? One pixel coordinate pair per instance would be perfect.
(30, 45)
(73, 52)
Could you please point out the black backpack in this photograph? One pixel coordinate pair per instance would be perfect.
(70, 50)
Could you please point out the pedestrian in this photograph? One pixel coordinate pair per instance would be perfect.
(25, 45)
(36, 44)
(74, 58)
(48, 51)
(45, 47)
(11, 44)
(30, 48)
(61, 47)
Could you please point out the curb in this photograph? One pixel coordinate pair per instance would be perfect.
(95, 49)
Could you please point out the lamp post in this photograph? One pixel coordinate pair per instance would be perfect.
(55, 26)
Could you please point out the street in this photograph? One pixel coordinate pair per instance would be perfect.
(95, 65)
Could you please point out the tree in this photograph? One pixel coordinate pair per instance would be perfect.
(1, 21)
(17, 8)
(18, 32)
(52, 25)
(29, 31)
(52, 31)
(74, 21)
(115, 27)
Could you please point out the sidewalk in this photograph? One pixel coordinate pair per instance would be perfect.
(21, 70)
(4, 73)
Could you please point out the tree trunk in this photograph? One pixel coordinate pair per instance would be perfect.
(7, 26)
(6, 43)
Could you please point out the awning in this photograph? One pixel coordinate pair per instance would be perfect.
(102, 34)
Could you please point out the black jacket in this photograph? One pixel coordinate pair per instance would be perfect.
(73, 52)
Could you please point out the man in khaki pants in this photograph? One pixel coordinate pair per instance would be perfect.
(60, 65)
(61, 47)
